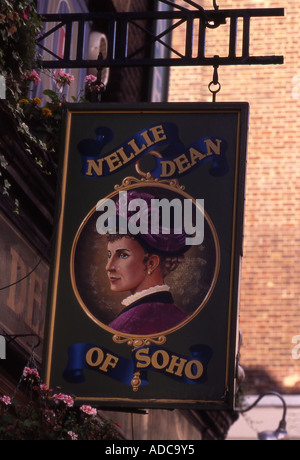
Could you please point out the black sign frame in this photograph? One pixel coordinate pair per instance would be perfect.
(161, 370)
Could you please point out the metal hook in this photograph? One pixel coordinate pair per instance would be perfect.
(216, 75)
(215, 82)
(216, 7)
(215, 18)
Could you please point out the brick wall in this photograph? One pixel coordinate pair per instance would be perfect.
(270, 284)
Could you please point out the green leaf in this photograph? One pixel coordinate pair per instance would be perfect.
(52, 95)
(49, 92)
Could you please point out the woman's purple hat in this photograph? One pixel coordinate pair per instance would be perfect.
(166, 240)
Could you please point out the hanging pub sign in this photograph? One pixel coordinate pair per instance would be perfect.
(143, 302)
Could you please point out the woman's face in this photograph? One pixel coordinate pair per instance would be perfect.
(125, 267)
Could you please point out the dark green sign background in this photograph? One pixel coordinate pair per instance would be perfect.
(203, 148)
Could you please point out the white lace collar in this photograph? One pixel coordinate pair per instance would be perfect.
(138, 295)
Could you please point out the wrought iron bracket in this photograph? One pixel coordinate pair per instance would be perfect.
(118, 25)
(12, 337)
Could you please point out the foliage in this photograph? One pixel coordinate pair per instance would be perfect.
(50, 416)
(38, 127)
(45, 122)
(19, 28)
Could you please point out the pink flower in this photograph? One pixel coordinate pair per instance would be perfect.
(68, 400)
(6, 400)
(73, 435)
(32, 76)
(49, 415)
(29, 371)
(26, 12)
(62, 79)
(88, 410)
(90, 79)
(44, 387)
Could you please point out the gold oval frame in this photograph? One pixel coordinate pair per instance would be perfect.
(130, 183)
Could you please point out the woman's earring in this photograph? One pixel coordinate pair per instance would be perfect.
(149, 272)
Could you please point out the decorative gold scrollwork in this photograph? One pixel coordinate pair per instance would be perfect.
(136, 343)
(139, 341)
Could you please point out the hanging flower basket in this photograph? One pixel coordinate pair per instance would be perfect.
(50, 415)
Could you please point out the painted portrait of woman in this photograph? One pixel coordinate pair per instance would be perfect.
(146, 283)
(139, 264)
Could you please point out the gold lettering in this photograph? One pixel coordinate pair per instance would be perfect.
(95, 166)
(94, 357)
(178, 363)
(143, 361)
(182, 163)
(194, 364)
(167, 168)
(195, 155)
(211, 146)
(158, 133)
(116, 159)
(147, 138)
(110, 361)
(122, 154)
(161, 360)
(113, 161)
(164, 357)
(137, 150)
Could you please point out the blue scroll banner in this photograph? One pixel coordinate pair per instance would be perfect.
(74, 371)
(171, 149)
